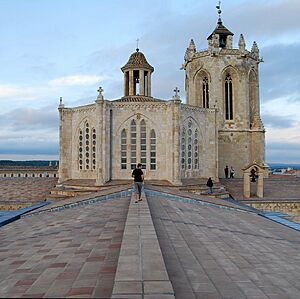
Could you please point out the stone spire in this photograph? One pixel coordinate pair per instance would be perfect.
(190, 51)
(61, 104)
(242, 44)
(255, 50)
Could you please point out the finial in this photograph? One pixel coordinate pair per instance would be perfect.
(176, 97)
(218, 7)
(137, 44)
(100, 95)
(61, 104)
(100, 90)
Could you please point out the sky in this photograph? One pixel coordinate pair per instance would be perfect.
(68, 48)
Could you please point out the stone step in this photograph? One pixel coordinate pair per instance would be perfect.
(63, 191)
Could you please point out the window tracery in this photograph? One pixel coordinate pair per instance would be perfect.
(228, 98)
(140, 145)
(190, 147)
(152, 150)
(124, 149)
(205, 93)
(133, 144)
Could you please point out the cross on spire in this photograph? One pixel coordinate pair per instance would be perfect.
(137, 44)
(176, 90)
(100, 90)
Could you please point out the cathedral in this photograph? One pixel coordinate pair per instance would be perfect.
(219, 125)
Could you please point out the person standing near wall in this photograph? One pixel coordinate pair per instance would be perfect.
(226, 170)
(209, 185)
(232, 172)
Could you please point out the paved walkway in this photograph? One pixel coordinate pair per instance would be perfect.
(219, 253)
(141, 271)
(70, 253)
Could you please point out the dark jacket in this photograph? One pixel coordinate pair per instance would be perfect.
(209, 183)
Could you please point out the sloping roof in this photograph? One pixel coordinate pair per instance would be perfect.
(137, 60)
(130, 99)
(209, 250)
(221, 30)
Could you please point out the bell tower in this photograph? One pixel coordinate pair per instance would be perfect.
(137, 75)
(226, 78)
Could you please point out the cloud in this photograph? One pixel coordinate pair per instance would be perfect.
(13, 91)
(29, 146)
(273, 18)
(284, 152)
(33, 119)
(277, 121)
(279, 74)
(84, 80)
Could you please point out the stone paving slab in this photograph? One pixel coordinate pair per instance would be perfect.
(221, 253)
(80, 198)
(19, 192)
(69, 253)
(141, 271)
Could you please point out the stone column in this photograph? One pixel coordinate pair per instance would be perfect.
(142, 82)
(65, 144)
(100, 142)
(126, 84)
(176, 102)
(131, 83)
(260, 186)
(149, 84)
(247, 184)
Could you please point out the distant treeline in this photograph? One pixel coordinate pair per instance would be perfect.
(27, 163)
(283, 165)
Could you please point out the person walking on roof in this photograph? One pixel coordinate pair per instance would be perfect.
(138, 176)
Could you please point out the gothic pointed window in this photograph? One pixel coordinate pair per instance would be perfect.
(183, 139)
(189, 145)
(94, 148)
(190, 148)
(205, 93)
(80, 150)
(87, 146)
(123, 149)
(196, 150)
(143, 143)
(152, 150)
(133, 144)
(228, 98)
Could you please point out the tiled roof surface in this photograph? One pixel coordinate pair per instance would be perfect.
(73, 252)
(210, 248)
(13, 190)
(220, 253)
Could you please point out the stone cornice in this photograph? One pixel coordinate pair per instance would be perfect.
(139, 105)
(240, 130)
(185, 107)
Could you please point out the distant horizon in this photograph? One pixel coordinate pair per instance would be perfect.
(57, 159)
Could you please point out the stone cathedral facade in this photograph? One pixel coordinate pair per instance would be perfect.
(219, 125)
